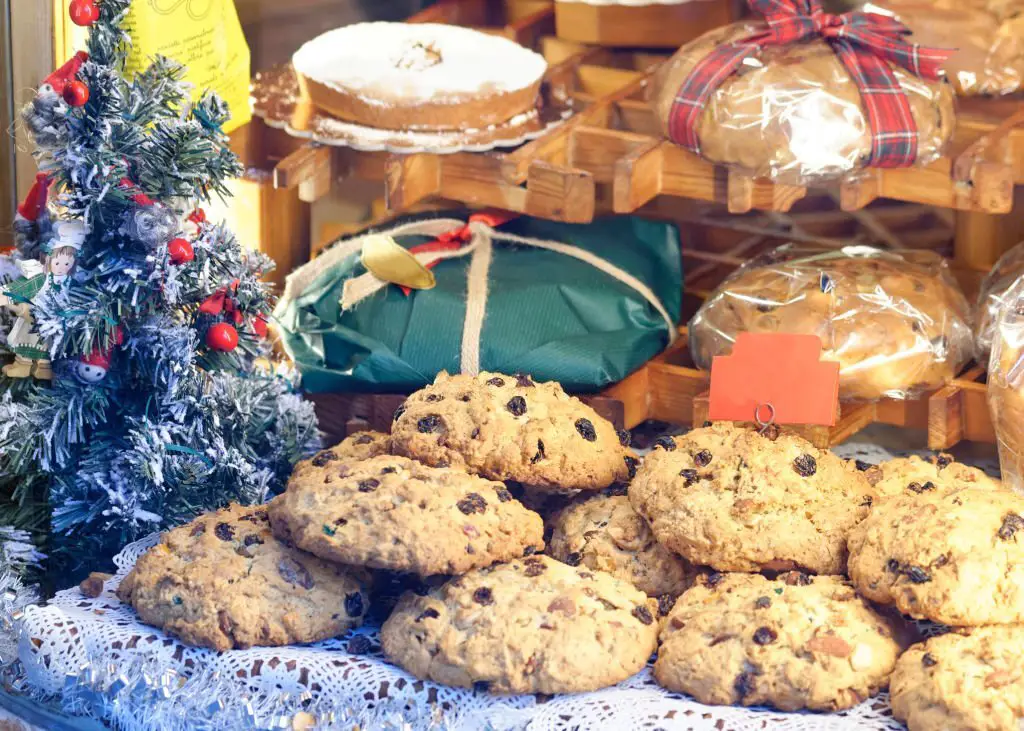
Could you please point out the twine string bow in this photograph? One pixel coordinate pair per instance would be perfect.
(866, 43)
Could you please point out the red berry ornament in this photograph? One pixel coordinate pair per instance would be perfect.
(76, 93)
(84, 12)
(222, 337)
(259, 326)
(180, 251)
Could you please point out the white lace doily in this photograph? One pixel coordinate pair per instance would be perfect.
(140, 678)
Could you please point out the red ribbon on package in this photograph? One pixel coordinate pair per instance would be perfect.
(774, 378)
(865, 42)
(456, 239)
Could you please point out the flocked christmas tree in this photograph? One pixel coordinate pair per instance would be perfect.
(139, 393)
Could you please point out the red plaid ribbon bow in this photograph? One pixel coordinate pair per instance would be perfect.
(864, 42)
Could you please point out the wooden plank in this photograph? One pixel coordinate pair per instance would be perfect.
(633, 392)
(310, 169)
(945, 418)
(409, 179)
(656, 25)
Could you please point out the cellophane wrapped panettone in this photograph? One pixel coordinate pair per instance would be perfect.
(995, 287)
(793, 113)
(1006, 385)
(988, 36)
(897, 323)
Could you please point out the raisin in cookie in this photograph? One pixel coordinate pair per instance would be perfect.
(735, 500)
(936, 473)
(956, 557)
(223, 581)
(603, 532)
(395, 513)
(529, 626)
(967, 679)
(793, 643)
(510, 428)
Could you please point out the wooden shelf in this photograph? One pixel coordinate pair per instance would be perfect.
(656, 25)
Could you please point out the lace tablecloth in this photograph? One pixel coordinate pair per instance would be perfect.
(96, 656)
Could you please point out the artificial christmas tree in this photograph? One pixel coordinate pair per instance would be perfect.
(162, 402)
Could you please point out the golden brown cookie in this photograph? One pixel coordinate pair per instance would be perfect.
(735, 500)
(897, 324)
(223, 581)
(793, 643)
(915, 475)
(395, 513)
(510, 428)
(967, 679)
(529, 626)
(604, 533)
(795, 114)
(954, 557)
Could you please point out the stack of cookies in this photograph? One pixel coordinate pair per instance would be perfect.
(769, 572)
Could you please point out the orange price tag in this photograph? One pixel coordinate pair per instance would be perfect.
(779, 377)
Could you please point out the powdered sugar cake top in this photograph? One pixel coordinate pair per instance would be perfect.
(403, 63)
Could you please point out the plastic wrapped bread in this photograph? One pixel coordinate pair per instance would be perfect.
(994, 289)
(988, 36)
(1006, 385)
(898, 324)
(793, 113)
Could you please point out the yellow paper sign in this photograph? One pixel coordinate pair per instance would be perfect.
(204, 35)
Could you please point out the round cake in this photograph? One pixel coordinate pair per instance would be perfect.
(419, 76)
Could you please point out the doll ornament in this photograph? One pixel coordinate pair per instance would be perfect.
(31, 356)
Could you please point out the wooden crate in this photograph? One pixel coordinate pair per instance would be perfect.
(610, 156)
(651, 25)
(671, 388)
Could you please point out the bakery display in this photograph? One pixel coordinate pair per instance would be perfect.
(966, 679)
(419, 76)
(533, 625)
(223, 581)
(604, 533)
(736, 500)
(897, 323)
(511, 428)
(1006, 385)
(393, 513)
(790, 112)
(464, 596)
(954, 557)
(796, 642)
(917, 475)
(988, 36)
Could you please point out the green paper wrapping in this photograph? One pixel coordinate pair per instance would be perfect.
(547, 314)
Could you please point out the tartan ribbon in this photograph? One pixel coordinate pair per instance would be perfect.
(866, 44)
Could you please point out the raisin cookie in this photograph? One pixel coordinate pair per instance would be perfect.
(361, 445)
(604, 533)
(795, 642)
(916, 475)
(967, 679)
(956, 557)
(223, 581)
(529, 626)
(735, 500)
(395, 513)
(510, 428)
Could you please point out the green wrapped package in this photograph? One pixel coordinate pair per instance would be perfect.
(585, 316)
